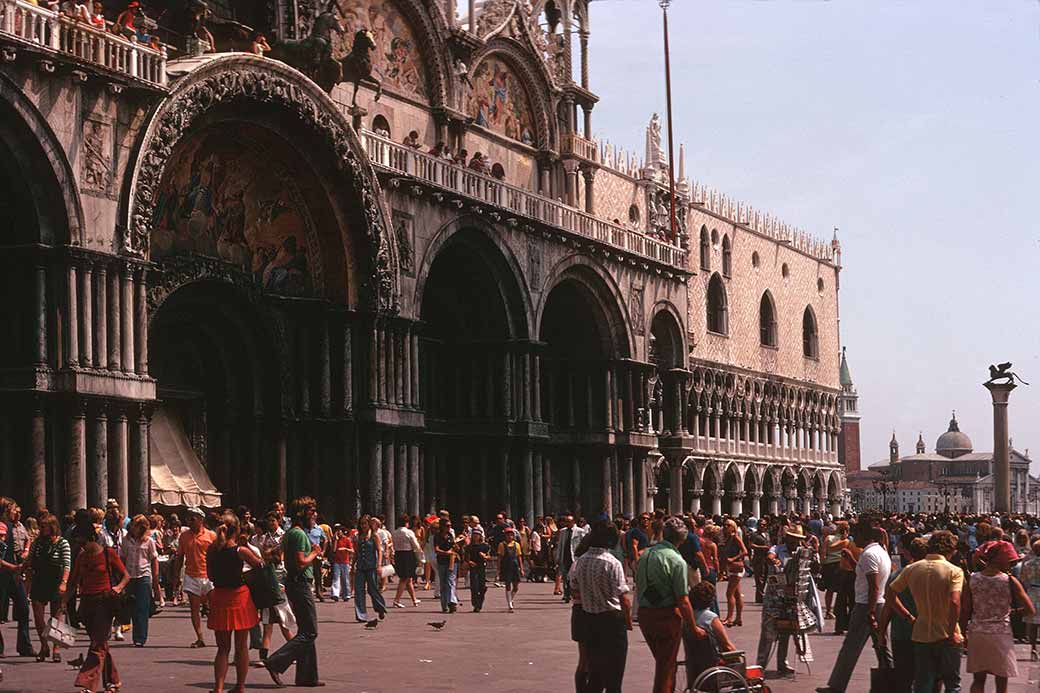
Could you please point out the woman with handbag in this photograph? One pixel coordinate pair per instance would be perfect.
(368, 559)
(141, 558)
(734, 552)
(49, 563)
(231, 608)
(94, 579)
(406, 559)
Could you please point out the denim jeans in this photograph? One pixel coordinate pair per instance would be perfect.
(141, 588)
(446, 580)
(937, 661)
(20, 613)
(477, 586)
(857, 636)
(300, 649)
(341, 581)
(367, 579)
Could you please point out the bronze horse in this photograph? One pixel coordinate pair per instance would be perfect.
(313, 55)
(357, 65)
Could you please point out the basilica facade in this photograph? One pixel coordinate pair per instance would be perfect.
(228, 282)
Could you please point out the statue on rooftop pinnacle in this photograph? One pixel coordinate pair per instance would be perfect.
(1003, 372)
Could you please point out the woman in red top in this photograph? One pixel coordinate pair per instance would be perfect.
(92, 578)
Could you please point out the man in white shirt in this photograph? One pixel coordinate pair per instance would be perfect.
(872, 572)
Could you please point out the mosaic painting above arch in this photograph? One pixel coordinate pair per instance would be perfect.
(223, 199)
(499, 103)
(396, 60)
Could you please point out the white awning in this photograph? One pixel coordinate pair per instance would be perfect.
(178, 477)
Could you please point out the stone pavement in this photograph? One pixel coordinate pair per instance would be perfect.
(529, 650)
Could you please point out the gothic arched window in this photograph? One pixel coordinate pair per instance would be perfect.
(810, 337)
(705, 249)
(718, 321)
(727, 256)
(767, 321)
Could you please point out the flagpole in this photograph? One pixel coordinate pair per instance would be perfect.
(668, 96)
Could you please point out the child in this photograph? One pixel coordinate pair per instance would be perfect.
(478, 553)
(510, 566)
(342, 555)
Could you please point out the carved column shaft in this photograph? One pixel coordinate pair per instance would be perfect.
(86, 319)
(141, 318)
(126, 302)
(72, 356)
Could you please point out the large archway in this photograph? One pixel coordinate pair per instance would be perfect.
(583, 336)
(477, 369)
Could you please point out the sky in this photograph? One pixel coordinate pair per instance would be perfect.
(912, 127)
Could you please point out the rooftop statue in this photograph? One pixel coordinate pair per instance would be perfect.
(1003, 372)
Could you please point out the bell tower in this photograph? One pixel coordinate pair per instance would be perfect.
(848, 410)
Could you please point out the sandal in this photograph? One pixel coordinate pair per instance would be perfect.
(56, 657)
(197, 644)
(44, 654)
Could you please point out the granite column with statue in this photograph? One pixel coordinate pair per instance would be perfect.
(1001, 459)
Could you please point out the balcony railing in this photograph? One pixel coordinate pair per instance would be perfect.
(577, 145)
(515, 201)
(54, 32)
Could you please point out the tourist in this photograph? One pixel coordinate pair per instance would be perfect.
(407, 556)
(49, 564)
(260, 46)
(536, 566)
(14, 544)
(270, 545)
(478, 553)
(231, 607)
(412, 140)
(703, 653)
(845, 594)
(599, 586)
(759, 542)
(510, 566)
(75, 11)
(911, 550)
(1029, 576)
(935, 586)
(300, 557)
(444, 547)
(317, 537)
(986, 616)
(564, 555)
(141, 558)
(386, 545)
(97, 18)
(733, 555)
(368, 559)
(787, 561)
(872, 571)
(93, 579)
(477, 163)
(191, 548)
(637, 540)
(830, 564)
(342, 557)
(460, 158)
(664, 604)
(126, 21)
(710, 536)
(429, 537)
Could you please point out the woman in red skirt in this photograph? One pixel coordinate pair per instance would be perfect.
(231, 609)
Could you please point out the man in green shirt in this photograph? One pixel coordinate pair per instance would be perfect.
(664, 604)
(300, 555)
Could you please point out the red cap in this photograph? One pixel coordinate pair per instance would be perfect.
(992, 550)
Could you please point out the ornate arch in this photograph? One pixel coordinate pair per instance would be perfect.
(243, 80)
(603, 288)
(470, 222)
(535, 81)
(52, 152)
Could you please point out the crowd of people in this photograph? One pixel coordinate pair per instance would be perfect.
(923, 588)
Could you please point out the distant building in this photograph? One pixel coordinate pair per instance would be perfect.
(953, 478)
(848, 410)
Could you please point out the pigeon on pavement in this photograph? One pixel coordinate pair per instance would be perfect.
(437, 625)
(372, 624)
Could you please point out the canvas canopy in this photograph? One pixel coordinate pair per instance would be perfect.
(178, 477)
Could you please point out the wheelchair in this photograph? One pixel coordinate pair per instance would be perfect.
(731, 674)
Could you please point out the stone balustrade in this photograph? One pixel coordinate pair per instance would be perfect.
(583, 148)
(515, 201)
(56, 33)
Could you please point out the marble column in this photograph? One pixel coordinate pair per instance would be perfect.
(639, 479)
(40, 315)
(736, 503)
(773, 505)
(282, 463)
(76, 463)
(716, 501)
(414, 477)
(72, 357)
(539, 489)
(756, 497)
(695, 500)
(140, 470)
(607, 494)
(141, 318)
(536, 385)
(101, 317)
(414, 342)
(126, 305)
(504, 481)
(406, 359)
(86, 322)
(374, 502)
(547, 485)
(97, 467)
(675, 488)
(527, 459)
(628, 506)
(119, 456)
(324, 367)
(400, 479)
(575, 483)
(835, 504)
(374, 346)
(1000, 392)
(114, 314)
(348, 368)
(389, 473)
(38, 454)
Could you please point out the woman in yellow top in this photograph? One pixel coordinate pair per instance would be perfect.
(510, 566)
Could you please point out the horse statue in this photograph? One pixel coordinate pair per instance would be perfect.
(1003, 372)
(357, 65)
(313, 55)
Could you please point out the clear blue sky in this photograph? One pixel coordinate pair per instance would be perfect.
(913, 127)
